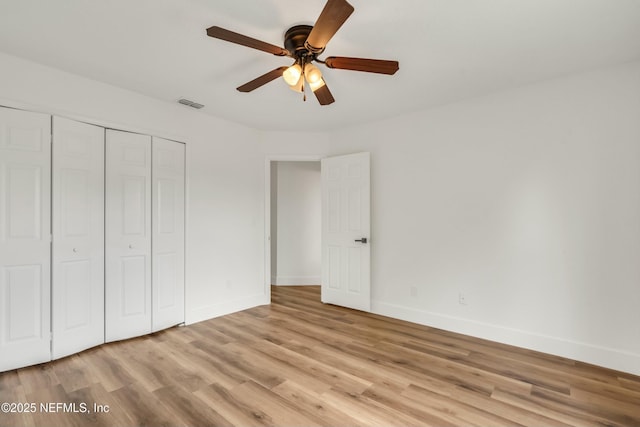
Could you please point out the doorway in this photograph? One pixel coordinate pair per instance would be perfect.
(292, 221)
(345, 226)
(296, 257)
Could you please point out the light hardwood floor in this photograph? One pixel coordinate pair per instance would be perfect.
(301, 363)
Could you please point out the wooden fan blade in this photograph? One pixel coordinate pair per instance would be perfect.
(334, 14)
(262, 80)
(324, 95)
(362, 64)
(230, 36)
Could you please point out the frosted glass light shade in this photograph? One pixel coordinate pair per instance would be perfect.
(312, 74)
(297, 87)
(292, 74)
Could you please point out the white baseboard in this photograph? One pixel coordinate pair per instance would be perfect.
(228, 307)
(296, 280)
(602, 356)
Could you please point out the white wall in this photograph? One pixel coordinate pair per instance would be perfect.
(225, 177)
(298, 232)
(526, 201)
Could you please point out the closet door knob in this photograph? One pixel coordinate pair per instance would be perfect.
(75, 249)
(130, 245)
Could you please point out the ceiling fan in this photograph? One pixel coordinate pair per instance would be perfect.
(304, 43)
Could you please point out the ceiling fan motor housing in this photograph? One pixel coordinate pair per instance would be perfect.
(294, 42)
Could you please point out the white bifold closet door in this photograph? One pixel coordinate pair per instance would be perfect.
(168, 233)
(25, 238)
(127, 235)
(78, 237)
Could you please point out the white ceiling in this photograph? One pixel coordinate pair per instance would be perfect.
(448, 50)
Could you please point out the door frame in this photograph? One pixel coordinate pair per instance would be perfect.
(267, 207)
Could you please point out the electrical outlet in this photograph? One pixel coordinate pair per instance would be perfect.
(414, 291)
(462, 299)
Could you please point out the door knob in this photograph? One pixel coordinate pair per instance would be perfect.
(363, 240)
(130, 245)
(75, 249)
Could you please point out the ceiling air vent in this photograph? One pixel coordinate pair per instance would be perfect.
(190, 103)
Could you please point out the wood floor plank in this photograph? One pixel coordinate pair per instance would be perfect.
(38, 377)
(332, 376)
(134, 358)
(228, 374)
(459, 367)
(583, 408)
(142, 407)
(10, 380)
(202, 331)
(106, 368)
(260, 354)
(301, 362)
(201, 364)
(515, 415)
(369, 411)
(103, 408)
(421, 371)
(311, 402)
(237, 412)
(420, 409)
(546, 409)
(359, 367)
(281, 411)
(237, 365)
(188, 409)
(73, 373)
(630, 384)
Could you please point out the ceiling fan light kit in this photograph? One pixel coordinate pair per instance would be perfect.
(304, 43)
(292, 74)
(298, 86)
(312, 74)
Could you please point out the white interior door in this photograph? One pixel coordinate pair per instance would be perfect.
(127, 235)
(78, 237)
(346, 229)
(168, 233)
(25, 238)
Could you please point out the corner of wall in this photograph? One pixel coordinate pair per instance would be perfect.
(216, 310)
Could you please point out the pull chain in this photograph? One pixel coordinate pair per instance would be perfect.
(304, 93)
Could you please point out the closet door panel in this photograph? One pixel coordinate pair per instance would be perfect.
(134, 286)
(168, 233)
(78, 237)
(128, 235)
(25, 245)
